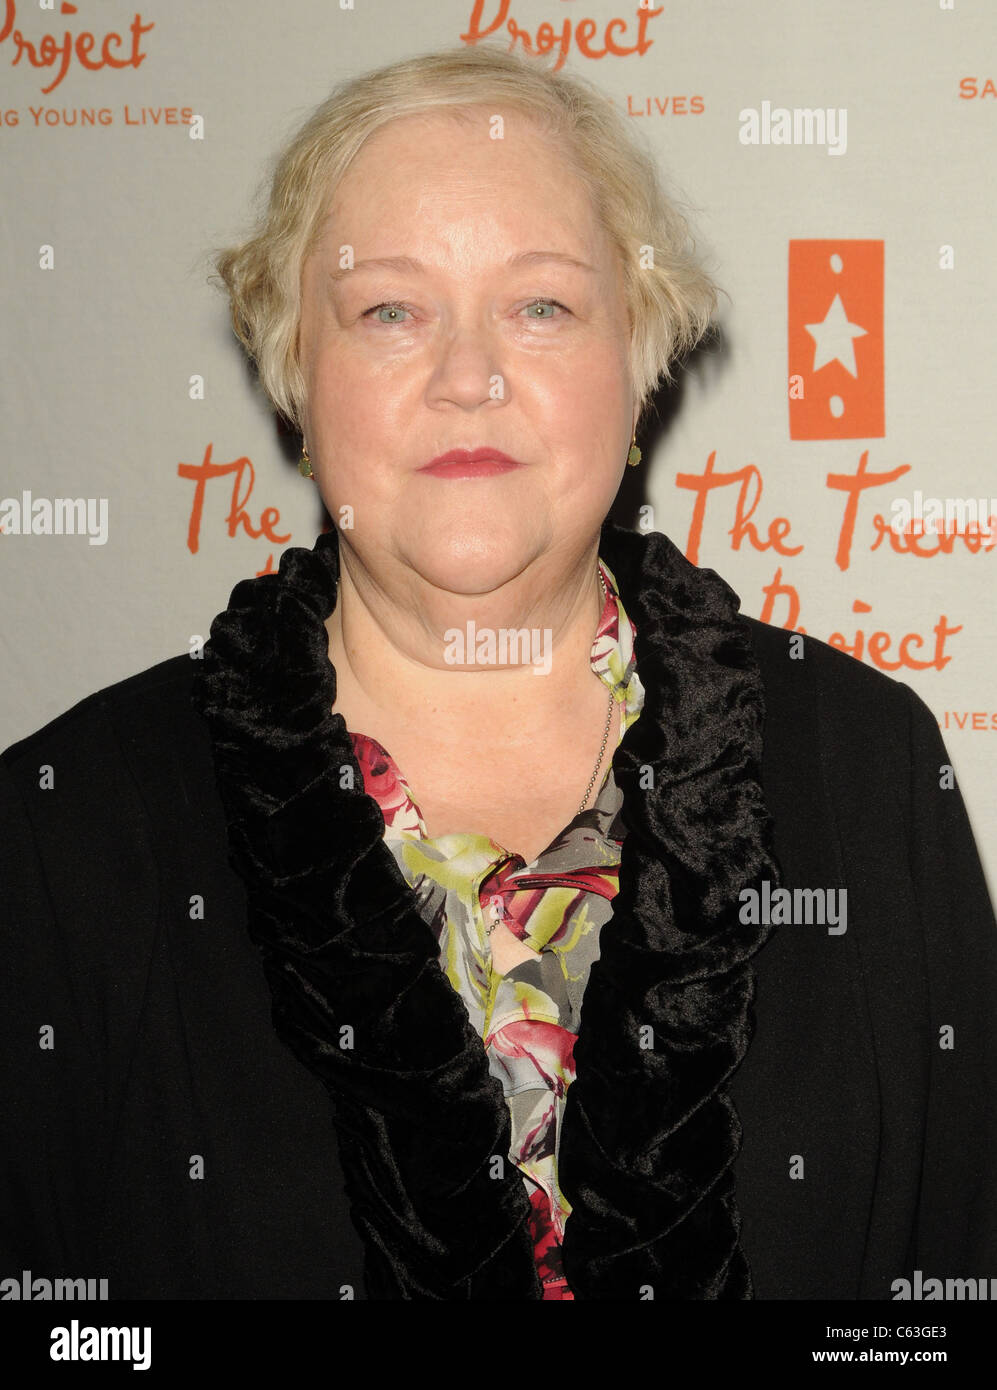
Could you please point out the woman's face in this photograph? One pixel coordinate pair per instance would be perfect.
(467, 359)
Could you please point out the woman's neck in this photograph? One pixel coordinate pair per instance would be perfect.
(523, 649)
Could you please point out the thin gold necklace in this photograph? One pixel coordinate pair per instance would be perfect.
(497, 917)
(609, 721)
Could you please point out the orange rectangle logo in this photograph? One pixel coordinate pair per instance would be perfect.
(836, 340)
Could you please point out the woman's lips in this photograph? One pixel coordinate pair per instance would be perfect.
(470, 463)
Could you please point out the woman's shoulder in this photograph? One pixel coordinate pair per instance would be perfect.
(803, 675)
(862, 735)
(860, 742)
(136, 720)
(102, 810)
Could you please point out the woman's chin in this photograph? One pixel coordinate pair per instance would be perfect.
(478, 558)
(469, 572)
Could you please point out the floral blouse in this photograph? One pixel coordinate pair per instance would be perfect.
(464, 882)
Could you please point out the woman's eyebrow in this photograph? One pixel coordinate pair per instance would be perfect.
(408, 263)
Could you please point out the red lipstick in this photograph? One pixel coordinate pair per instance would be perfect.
(470, 463)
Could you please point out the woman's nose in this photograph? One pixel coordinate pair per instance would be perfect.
(469, 365)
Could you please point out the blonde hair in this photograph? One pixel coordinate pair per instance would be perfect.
(669, 295)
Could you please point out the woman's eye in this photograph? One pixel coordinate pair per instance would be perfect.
(543, 304)
(393, 311)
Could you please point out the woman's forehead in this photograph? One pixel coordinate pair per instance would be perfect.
(455, 151)
(419, 177)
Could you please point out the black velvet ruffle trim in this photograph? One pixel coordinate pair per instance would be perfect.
(650, 1133)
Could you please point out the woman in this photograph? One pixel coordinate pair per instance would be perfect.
(519, 931)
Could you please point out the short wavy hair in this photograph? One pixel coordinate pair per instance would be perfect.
(670, 296)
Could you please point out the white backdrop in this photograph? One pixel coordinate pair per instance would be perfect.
(120, 371)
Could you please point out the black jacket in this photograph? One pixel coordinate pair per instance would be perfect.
(158, 1134)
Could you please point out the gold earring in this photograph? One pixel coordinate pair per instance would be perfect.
(305, 464)
(634, 456)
